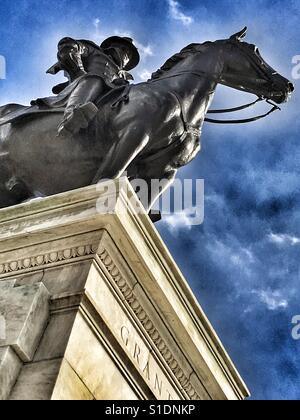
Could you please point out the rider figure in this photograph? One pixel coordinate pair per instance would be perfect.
(92, 71)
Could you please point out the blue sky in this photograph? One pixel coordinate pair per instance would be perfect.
(243, 262)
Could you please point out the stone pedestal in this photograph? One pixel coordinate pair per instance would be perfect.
(94, 307)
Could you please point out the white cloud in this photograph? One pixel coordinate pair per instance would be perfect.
(283, 239)
(232, 254)
(96, 23)
(144, 50)
(180, 220)
(177, 14)
(144, 75)
(273, 300)
(243, 258)
(97, 33)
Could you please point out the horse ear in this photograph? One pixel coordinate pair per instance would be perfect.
(240, 35)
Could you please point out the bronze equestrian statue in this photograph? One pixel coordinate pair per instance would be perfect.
(100, 126)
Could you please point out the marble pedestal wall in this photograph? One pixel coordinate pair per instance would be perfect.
(94, 307)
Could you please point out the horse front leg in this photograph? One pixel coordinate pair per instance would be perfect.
(121, 155)
(155, 185)
(156, 188)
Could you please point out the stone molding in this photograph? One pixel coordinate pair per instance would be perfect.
(41, 260)
(147, 323)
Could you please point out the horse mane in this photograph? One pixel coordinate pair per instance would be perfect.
(175, 59)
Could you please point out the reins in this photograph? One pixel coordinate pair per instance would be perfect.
(226, 110)
(240, 108)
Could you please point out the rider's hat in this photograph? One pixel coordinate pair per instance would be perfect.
(115, 41)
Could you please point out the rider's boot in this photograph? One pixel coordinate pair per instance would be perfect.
(81, 109)
(77, 117)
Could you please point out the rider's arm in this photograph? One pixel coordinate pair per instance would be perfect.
(56, 68)
(70, 57)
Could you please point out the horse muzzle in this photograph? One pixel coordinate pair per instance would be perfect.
(282, 92)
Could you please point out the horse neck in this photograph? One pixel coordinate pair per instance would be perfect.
(195, 81)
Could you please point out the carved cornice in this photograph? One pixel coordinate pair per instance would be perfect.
(48, 258)
(145, 320)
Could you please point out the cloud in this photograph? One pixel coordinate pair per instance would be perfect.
(96, 23)
(273, 300)
(144, 50)
(283, 239)
(177, 14)
(144, 75)
(243, 258)
(229, 254)
(180, 220)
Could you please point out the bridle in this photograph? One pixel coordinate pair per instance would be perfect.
(242, 107)
(229, 110)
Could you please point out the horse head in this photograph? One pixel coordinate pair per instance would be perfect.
(245, 69)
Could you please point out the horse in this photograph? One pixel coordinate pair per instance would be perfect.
(148, 132)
